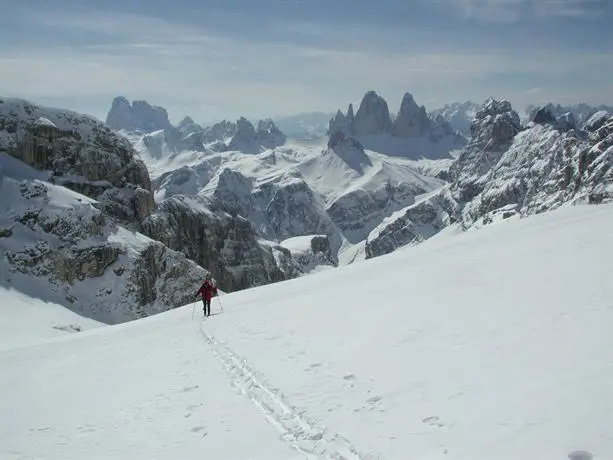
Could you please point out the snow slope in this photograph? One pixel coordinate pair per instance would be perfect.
(493, 344)
(26, 320)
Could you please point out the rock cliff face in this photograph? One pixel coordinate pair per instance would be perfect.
(224, 244)
(268, 135)
(413, 133)
(372, 117)
(310, 252)
(88, 245)
(138, 116)
(78, 152)
(508, 171)
(60, 247)
(493, 130)
(412, 120)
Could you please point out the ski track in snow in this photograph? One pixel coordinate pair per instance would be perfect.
(295, 429)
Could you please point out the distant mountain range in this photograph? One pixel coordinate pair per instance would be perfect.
(117, 220)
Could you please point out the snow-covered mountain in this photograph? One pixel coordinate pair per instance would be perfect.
(411, 134)
(459, 115)
(79, 225)
(305, 126)
(148, 125)
(508, 170)
(341, 191)
(493, 344)
(369, 203)
(581, 112)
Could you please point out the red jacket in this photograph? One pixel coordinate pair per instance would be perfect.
(207, 290)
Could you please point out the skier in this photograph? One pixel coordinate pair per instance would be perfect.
(207, 291)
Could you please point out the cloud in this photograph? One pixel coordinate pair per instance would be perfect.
(487, 10)
(585, 9)
(514, 10)
(192, 70)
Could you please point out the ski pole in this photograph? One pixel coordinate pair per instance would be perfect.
(193, 310)
(220, 304)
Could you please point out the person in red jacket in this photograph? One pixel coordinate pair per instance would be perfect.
(207, 291)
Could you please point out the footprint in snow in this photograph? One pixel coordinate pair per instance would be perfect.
(185, 389)
(433, 420)
(199, 429)
(313, 366)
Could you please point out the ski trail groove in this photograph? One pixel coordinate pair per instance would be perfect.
(295, 429)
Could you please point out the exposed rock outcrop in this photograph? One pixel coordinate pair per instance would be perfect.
(63, 248)
(268, 135)
(372, 117)
(413, 133)
(76, 151)
(508, 171)
(310, 252)
(412, 120)
(223, 244)
(138, 116)
(493, 130)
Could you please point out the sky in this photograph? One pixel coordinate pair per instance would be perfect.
(222, 59)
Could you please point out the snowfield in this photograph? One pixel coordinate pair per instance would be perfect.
(26, 320)
(489, 344)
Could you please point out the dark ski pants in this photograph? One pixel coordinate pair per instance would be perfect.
(206, 308)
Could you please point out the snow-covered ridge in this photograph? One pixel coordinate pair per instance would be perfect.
(580, 113)
(152, 133)
(506, 171)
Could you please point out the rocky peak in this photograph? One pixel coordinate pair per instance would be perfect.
(412, 120)
(551, 115)
(244, 128)
(495, 124)
(492, 107)
(493, 129)
(245, 137)
(269, 135)
(349, 150)
(140, 116)
(373, 116)
(342, 123)
(350, 114)
(188, 126)
(544, 115)
(220, 131)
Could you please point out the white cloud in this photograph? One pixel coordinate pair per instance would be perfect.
(488, 10)
(513, 10)
(568, 8)
(192, 71)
